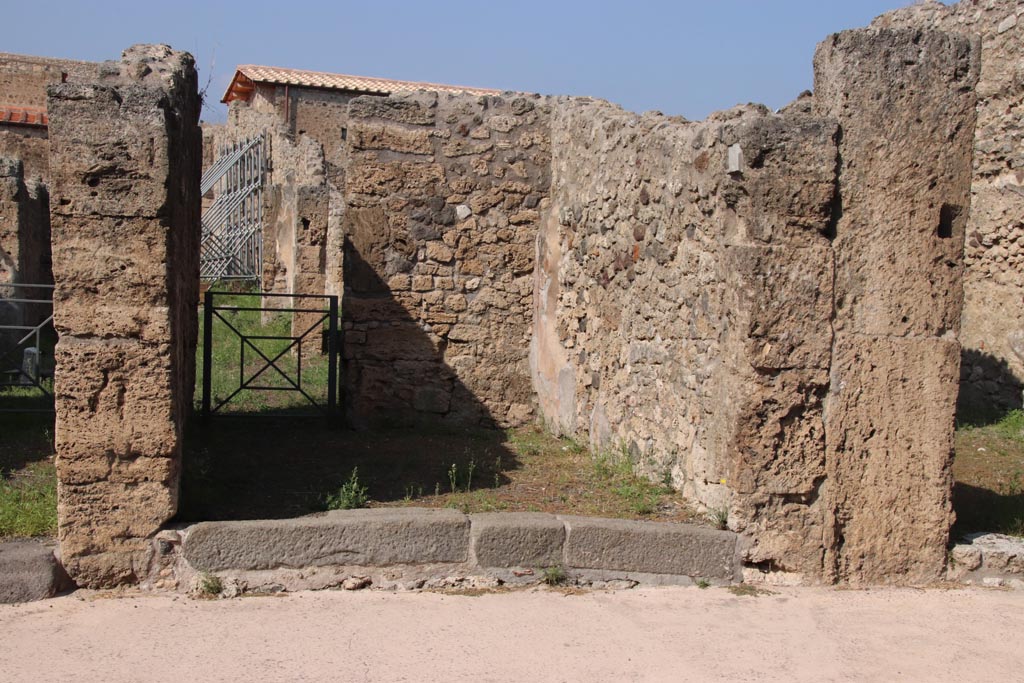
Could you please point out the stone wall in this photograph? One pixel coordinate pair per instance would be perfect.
(23, 83)
(125, 165)
(24, 244)
(763, 307)
(993, 318)
(443, 196)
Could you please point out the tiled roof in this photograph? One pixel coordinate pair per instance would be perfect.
(247, 74)
(26, 116)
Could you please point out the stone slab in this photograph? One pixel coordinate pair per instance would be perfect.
(655, 547)
(28, 571)
(517, 539)
(374, 537)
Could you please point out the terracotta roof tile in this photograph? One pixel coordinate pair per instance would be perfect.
(26, 116)
(319, 79)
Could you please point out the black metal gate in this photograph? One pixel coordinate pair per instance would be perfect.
(279, 368)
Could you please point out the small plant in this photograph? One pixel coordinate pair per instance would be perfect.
(350, 496)
(719, 518)
(497, 471)
(703, 583)
(453, 477)
(469, 475)
(437, 489)
(554, 576)
(210, 585)
(412, 491)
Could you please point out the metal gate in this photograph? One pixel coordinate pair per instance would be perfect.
(27, 340)
(232, 242)
(269, 359)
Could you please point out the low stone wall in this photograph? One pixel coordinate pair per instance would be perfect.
(413, 548)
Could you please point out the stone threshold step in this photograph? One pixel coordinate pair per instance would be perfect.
(384, 537)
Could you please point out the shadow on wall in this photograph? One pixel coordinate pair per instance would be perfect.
(394, 369)
(395, 380)
(988, 389)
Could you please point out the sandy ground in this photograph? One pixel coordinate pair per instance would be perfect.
(664, 634)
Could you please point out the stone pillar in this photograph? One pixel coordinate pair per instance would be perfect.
(904, 101)
(125, 155)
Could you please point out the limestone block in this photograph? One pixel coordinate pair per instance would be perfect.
(889, 434)
(415, 110)
(786, 296)
(780, 437)
(109, 154)
(906, 105)
(114, 398)
(391, 138)
(400, 342)
(376, 537)
(517, 539)
(790, 182)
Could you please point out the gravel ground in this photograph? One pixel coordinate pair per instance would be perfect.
(664, 634)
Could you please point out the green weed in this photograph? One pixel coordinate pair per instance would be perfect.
(350, 496)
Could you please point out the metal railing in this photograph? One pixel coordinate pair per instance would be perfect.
(26, 345)
(232, 241)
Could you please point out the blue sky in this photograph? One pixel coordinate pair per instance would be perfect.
(685, 57)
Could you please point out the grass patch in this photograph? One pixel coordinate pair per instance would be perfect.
(28, 478)
(28, 501)
(989, 474)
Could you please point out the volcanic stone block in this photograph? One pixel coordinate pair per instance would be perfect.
(517, 539)
(786, 304)
(28, 571)
(655, 547)
(377, 537)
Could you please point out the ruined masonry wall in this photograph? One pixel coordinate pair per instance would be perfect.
(683, 309)
(24, 240)
(444, 195)
(730, 303)
(992, 376)
(125, 159)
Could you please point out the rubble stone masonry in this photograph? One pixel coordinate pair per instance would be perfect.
(763, 307)
(443, 196)
(125, 166)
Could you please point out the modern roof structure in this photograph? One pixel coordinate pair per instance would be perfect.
(248, 75)
(25, 116)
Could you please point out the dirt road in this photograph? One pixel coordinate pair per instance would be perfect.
(666, 634)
